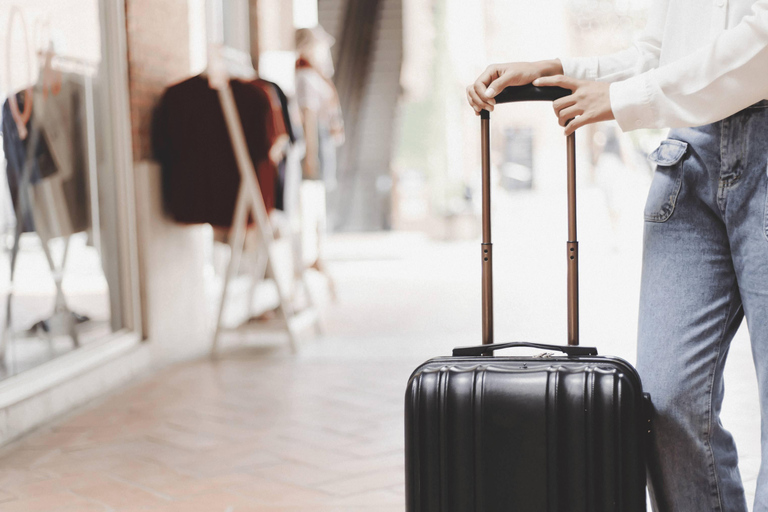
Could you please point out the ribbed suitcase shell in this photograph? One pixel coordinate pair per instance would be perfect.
(561, 434)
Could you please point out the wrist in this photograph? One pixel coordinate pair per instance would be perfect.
(549, 68)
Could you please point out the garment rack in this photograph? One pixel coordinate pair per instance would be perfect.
(224, 63)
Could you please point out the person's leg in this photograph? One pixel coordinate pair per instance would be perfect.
(690, 309)
(747, 220)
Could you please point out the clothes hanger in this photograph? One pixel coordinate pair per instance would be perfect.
(51, 78)
(21, 118)
(225, 63)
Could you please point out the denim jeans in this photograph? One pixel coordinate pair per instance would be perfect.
(705, 267)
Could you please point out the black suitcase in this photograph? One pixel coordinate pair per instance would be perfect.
(529, 434)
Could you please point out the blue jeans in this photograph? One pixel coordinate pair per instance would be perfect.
(705, 267)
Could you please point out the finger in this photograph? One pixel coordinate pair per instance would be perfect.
(477, 107)
(490, 74)
(576, 124)
(569, 113)
(561, 103)
(483, 94)
(478, 103)
(557, 81)
(470, 100)
(499, 84)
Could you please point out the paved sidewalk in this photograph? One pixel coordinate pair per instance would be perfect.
(260, 430)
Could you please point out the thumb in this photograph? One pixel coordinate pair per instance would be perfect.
(499, 84)
(557, 81)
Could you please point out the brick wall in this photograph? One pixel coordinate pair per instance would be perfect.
(158, 55)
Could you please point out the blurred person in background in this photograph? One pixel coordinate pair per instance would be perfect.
(319, 104)
(700, 68)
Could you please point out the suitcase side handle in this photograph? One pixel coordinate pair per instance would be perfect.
(483, 350)
(531, 93)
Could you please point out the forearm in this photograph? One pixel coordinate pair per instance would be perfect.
(549, 67)
(642, 55)
(708, 85)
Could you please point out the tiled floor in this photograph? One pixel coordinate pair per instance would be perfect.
(260, 430)
(247, 433)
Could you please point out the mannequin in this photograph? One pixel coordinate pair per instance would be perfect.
(319, 104)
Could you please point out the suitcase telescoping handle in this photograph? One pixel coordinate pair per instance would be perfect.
(484, 350)
(510, 95)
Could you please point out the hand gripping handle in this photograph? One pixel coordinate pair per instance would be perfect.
(483, 350)
(530, 93)
(511, 95)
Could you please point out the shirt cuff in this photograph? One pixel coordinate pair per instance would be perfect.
(583, 68)
(631, 103)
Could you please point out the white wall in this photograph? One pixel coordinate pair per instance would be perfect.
(177, 318)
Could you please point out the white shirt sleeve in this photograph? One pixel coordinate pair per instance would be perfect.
(715, 81)
(640, 57)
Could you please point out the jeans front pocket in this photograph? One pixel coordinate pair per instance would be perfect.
(667, 180)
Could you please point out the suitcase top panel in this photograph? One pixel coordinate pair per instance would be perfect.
(522, 364)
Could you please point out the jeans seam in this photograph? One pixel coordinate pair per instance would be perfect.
(765, 214)
(713, 463)
(721, 188)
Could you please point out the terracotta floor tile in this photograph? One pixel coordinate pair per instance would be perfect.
(371, 498)
(280, 494)
(225, 460)
(362, 465)
(361, 483)
(52, 485)
(188, 488)
(117, 494)
(11, 479)
(59, 502)
(208, 502)
(296, 473)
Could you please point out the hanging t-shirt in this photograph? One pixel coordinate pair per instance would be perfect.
(58, 174)
(190, 140)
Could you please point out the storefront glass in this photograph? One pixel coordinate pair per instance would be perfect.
(60, 278)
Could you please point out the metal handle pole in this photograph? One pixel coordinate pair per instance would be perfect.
(572, 247)
(487, 246)
(572, 244)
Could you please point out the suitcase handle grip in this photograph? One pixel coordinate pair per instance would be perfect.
(531, 93)
(483, 350)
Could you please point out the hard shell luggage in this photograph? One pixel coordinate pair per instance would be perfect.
(551, 433)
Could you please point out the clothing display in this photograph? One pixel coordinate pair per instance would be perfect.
(289, 163)
(316, 93)
(706, 65)
(190, 140)
(58, 174)
(292, 124)
(278, 129)
(275, 121)
(15, 150)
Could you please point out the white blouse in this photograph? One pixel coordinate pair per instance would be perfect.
(697, 62)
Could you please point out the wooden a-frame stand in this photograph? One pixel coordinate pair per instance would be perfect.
(250, 203)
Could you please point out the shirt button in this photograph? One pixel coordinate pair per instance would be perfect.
(720, 3)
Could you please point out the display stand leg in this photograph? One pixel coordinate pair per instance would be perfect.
(236, 240)
(258, 272)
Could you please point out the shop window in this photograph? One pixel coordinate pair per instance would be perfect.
(63, 280)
